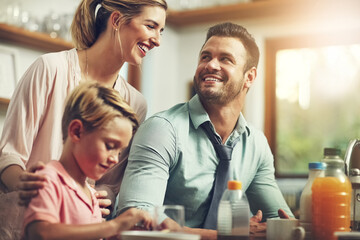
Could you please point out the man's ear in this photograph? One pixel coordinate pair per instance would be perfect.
(250, 76)
(115, 20)
(75, 130)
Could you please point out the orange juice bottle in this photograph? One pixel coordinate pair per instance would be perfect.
(331, 199)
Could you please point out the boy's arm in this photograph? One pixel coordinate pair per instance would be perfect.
(38, 230)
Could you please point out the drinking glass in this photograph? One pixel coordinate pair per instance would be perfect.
(174, 212)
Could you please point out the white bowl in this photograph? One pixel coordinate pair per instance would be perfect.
(145, 235)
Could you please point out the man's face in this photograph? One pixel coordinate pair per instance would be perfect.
(219, 77)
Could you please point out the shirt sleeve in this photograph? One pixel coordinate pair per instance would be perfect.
(263, 192)
(24, 116)
(151, 156)
(45, 206)
(135, 99)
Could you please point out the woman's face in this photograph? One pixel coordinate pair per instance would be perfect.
(142, 34)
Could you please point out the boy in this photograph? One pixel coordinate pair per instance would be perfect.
(96, 125)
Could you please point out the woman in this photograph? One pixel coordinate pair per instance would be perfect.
(106, 33)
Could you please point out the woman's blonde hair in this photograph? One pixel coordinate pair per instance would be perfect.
(86, 27)
(95, 106)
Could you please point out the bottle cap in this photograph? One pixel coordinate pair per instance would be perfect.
(234, 185)
(317, 165)
(331, 152)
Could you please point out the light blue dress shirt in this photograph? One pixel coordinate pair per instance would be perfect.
(172, 161)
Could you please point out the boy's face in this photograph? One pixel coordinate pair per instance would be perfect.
(99, 150)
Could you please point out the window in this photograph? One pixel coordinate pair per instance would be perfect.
(312, 98)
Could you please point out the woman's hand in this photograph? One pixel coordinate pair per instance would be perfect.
(30, 183)
(103, 202)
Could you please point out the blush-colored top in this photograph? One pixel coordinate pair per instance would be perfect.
(32, 128)
(62, 200)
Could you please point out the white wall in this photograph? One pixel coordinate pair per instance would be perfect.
(38, 8)
(160, 74)
(186, 42)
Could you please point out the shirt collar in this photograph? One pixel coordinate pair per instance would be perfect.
(63, 174)
(198, 115)
(70, 182)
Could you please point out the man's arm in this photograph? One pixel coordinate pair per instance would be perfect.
(153, 151)
(263, 193)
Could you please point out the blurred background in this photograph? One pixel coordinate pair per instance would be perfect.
(305, 97)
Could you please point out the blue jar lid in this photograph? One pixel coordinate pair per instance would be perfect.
(317, 165)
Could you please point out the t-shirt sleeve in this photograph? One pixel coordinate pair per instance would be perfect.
(136, 100)
(46, 205)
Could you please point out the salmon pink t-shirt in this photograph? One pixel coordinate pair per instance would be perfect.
(62, 200)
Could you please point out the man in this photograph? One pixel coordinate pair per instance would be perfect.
(172, 160)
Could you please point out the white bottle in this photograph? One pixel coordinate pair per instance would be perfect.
(233, 213)
(316, 169)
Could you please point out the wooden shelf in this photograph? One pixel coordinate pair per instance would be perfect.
(4, 101)
(34, 40)
(261, 9)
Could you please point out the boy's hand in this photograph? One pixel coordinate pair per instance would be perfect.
(134, 218)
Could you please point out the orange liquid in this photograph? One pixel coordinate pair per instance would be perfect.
(331, 200)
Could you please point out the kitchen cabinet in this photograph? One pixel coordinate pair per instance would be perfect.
(247, 10)
(244, 10)
(256, 9)
(4, 101)
(34, 40)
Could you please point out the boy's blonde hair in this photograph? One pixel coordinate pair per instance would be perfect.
(87, 26)
(95, 106)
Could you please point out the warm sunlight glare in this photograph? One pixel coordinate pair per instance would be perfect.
(327, 72)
